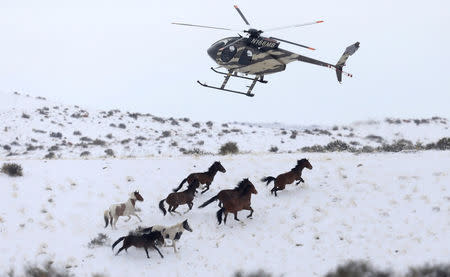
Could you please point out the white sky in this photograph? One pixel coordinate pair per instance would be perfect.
(126, 54)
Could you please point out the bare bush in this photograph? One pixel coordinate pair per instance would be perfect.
(357, 269)
(109, 152)
(50, 155)
(100, 240)
(229, 148)
(26, 116)
(122, 126)
(293, 134)
(56, 135)
(259, 273)
(165, 134)
(196, 125)
(46, 271)
(77, 133)
(85, 154)
(12, 169)
(273, 149)
(99, 142)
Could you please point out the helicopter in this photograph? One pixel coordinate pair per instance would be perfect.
(253, 54)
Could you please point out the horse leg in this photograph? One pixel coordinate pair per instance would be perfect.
(114, 221)
(173, 209)
(274, 190)
(137, 217)
(220, 204)
(154, 246)
(207, 188)
(174, 246)
(190, 204)
(146, 252)
(121, 248)
(251, 211)
(129, 217)
(225, 217)
(235, 216)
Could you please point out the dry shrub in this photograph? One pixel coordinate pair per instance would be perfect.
(12, 169)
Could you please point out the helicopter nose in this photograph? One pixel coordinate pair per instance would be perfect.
(212, 51)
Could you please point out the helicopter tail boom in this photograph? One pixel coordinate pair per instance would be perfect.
(341, 63)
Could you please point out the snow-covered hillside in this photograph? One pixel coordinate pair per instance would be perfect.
(35, 128)
(390, 209)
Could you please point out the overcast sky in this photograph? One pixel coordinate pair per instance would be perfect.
(127, 55)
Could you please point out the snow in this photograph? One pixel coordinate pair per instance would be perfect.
(147, 135)
(391, 209)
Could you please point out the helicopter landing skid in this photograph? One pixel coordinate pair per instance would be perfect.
(227, 77)
(228, 90)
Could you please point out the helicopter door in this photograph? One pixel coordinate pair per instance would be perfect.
(246, 57)
(228, 53)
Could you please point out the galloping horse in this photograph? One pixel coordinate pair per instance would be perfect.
(179, 198)
(226, 193)
(112, 214)
(203, 177)
(289, 177)
(234, 200)
(141, 241)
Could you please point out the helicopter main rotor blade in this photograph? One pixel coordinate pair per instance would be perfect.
(294, 26)
(241, 14)
(202, 26)
(287, 41)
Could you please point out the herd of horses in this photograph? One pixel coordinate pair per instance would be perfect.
(230, 201)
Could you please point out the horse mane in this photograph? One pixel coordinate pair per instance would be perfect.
(297, 167)
(193, 186)
(243, 187)
(212, 167)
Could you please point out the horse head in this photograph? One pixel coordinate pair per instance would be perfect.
(304, 163)
(159, 239)
(137, 196)
(247, 187)
(186, 226)
(219, 167)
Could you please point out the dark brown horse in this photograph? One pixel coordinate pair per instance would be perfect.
(141, 241)
(180, 198)
(289, 177)
(205, 178)
(234, 200)
(226, 193)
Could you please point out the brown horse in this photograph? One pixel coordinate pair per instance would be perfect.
(227, 193)
(180, 198)
(289, 177)
(234, 200)
(205, 178)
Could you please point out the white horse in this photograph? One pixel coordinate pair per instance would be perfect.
(173, 232)
(112, 214)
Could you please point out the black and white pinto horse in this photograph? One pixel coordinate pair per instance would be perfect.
(112, 214)
(172, 232)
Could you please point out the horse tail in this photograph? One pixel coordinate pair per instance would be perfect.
(117, 241)
(268, 179)
(106, 217)
(209, 201)
(181, 184)
(219, 215)
(161, 206)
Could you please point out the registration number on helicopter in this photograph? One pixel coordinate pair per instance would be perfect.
(264, 43)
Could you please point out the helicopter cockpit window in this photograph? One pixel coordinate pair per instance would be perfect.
(246, 57)
(228, 53)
